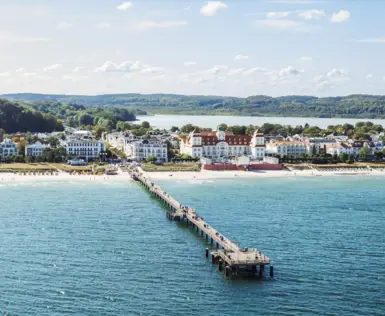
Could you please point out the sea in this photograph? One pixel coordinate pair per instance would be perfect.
(107, 248)
(167, 121)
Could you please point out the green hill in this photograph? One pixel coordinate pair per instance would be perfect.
(352, 106)
(15, 117)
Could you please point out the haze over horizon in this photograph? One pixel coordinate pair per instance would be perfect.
(228, 48)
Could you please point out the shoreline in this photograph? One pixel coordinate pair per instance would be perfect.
(186, 175)
(217, 175)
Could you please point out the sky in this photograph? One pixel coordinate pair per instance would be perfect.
(230, 48)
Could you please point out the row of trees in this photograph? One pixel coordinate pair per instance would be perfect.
(359, 131)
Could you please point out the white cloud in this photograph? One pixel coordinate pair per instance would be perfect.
(324, 85)
(53, 67)
(312, 14)
(306, 58)
(63, 26)
(5, 74)
(146, 25)
(289, 71)
(124, 6)
(235, 71)
(341, 16)
(280, 24)
(216, 70)
(241, 57)
(369, 76)
(211, 8)
(126, 66)
(152, 70)
(104, 25)
(189, 63)
(277, 14)
(371, 40)
(336, 72)
(19, 70)
(77, 69)
(254, 70)
(205, 75)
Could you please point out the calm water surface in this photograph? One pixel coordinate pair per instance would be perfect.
(108, 249)
(166, 121)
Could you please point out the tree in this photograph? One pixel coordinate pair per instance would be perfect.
(53, 141)
(174, 129)
(188, 128)
(364, 153)
(85, 119)
(98, 131)
(145, 124)
(21, 147)
(152, 158)
(343, 157)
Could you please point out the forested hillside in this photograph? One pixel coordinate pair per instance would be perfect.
(353, 106)
(17, 118)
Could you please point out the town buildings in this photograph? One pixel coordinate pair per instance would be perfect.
(139, 149)
(35, 150)
(7, 148)
(223, 144)
(84, 148)
(142, 149)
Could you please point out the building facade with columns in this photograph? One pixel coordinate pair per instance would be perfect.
(223, 144)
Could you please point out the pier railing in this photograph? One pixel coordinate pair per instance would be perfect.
(230, 253)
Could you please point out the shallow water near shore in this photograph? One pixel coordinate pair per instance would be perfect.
(87, 248)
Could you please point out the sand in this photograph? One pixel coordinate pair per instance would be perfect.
(203, 175)
(212, 175)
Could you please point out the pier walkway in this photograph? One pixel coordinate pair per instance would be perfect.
(229, 256)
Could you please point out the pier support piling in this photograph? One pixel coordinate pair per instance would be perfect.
(220, 265)
(271, 271)
(207, 252)
(261, 270)
(227, 271)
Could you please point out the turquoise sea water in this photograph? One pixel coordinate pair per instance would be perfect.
(107, 248)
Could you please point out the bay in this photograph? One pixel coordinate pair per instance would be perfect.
(167, 121)
(107, 248)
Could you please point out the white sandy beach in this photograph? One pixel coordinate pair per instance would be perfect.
(212, 175)
(203, 175)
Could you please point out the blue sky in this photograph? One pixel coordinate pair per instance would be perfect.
(237, 48)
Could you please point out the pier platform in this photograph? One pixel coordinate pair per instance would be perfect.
(232, 259)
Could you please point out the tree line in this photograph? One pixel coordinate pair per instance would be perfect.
(17, 118)
(351, 106)
(359, 131)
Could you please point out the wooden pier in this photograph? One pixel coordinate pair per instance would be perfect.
(231, 259)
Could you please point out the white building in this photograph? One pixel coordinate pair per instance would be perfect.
(142, 149)
(339, 148)
(7, 148)
(287, 148)
(221, 145)
(84, 148)
(35, 150)
(83, 133)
